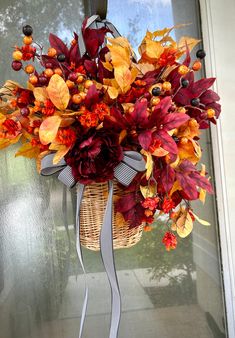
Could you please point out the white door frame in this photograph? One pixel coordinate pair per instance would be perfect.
(210, 13)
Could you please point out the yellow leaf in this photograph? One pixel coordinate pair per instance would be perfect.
(190, 151)
(113, 92)
(8, 87)
(4, 143)
(121, 56)
(107, 65)
(176, 186)
(40, 94)
(203, 222)
(120, 41)
(58, 92)
(30, 86)
(151, 50)
(187, 41)
(149, 163)
(144, 67)
(27, 150)
(123, 77)
(159, 152)
(61, 152)
(122, 135)
(49, 128)
(148, 191)
(184, 224)
(202, 193)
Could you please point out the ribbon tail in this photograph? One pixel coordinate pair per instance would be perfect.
(79, 253)
(107, 254)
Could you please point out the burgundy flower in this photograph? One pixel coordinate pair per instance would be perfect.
(94, 156)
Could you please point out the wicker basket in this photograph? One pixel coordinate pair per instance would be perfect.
(91, 219)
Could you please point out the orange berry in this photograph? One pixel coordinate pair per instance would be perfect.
(27, 40)
(17, 55)
(210, 113)
(193, 123)
(197, 66)
(58, 71)
(166, 86)
(155, 101)
(83, 95)
(182, 70)
(184, 140)
(51, 52)
(77, 98)
(88, 83)
(36, 131)
(48, 72)
(182, 110)
(80, 79)
(147, 228)
(173, 215)
(73, 42)
(33, 79)
(29, 69)
(70, 84)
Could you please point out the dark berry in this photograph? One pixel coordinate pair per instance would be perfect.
(156, 91)
(49, 65)
(73, 77)
(61, 57)
(201, 54)
(42, 80)
(184, 83)
(195, 102)
(27, 30)
(16, 65)
(24, 111)
(75, 106)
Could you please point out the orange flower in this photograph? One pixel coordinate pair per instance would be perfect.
(169, 240)
(49, 108)
(88, 119)
(66, 136)
(101, 109)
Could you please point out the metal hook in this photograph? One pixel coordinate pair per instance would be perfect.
(98, 7)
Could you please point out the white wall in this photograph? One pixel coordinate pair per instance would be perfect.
(218, 26)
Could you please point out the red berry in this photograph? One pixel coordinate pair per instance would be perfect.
(24, 111)
(16, 65)
(42, 80)
(73, 76)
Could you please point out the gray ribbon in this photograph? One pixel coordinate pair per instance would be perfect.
(124, 172)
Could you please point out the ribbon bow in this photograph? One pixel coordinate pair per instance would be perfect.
(124, 173)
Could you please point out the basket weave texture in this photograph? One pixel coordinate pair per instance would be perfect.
(91, 219)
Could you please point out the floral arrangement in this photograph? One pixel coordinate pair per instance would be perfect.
(90, 108)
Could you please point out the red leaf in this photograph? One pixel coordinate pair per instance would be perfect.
(201, 181)
(187, 167)
(58, 44)
(188, 185)
(167, 178)
(46, 58)
(139, 115)
(93, 38)
(209, 96)
(161, 110)
(174, 120)
(74, 54)
(91, 67)
(92, 96)
(201, 86)
(167, 141)
(125, 203)
(115, 120)
(187, 59)
(145, 139)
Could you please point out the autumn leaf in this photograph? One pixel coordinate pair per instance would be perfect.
(149, 163)
(27, 150)
(148, 191)
(201, 221)
(187, 41)
(58, 92)
(202, 193)
(60, 153)
(4, 143)
(39, 159)
(40, 94)
(49, 128)
(123, 77)
(113, 92)
(184, 224)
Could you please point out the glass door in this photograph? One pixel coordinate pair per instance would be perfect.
(164, 294)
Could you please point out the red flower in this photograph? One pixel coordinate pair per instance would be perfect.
(167, 205)
(28, 52)
(150, 203)
(66, 136)
(12, 127)
(101, 109)
(169, 240)
(94, 156)
(49, 108)
(89, 119)
(168, 57)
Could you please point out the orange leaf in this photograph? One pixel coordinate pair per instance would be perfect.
(49, 128)
(61, 151)
(184, 224)
(27, 150)
(4, 143)
(159, 152)
(58, 92)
